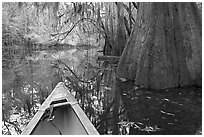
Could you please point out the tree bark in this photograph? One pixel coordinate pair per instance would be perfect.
(117, 50)
(120, 39)
(164, 49)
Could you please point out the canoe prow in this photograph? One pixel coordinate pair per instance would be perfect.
(60, 114)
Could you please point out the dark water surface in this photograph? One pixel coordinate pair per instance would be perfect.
(176, 111)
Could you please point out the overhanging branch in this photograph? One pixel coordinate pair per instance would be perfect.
(69, 31)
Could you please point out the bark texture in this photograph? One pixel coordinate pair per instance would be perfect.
(120, 39)
(117, 50)
(165, 47)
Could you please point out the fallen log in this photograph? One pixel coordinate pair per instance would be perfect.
(114, 59)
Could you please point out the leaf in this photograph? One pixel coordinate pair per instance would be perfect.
(108, 88)
(123, 79)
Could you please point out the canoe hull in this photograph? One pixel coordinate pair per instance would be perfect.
(60, 114)
(65, 122)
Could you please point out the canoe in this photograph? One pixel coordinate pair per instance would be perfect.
(60, 114)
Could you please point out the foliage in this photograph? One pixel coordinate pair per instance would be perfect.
(44, 43)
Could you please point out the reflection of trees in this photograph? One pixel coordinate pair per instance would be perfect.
(32, 33)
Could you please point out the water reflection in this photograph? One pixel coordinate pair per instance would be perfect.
(172, 111)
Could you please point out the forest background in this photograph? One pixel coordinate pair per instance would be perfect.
(90, 47)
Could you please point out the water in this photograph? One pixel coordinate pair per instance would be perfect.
(176, 111)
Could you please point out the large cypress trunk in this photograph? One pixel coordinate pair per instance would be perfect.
(164, 49)
(163, 52)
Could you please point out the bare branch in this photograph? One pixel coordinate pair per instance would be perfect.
(129, 11)
(69, 69)
(69, 31)
(135, 5)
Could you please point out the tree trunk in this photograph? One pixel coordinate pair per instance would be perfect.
(164, 49)
(116, 108)
(120, 39)
(117, 50)
(31, 86)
